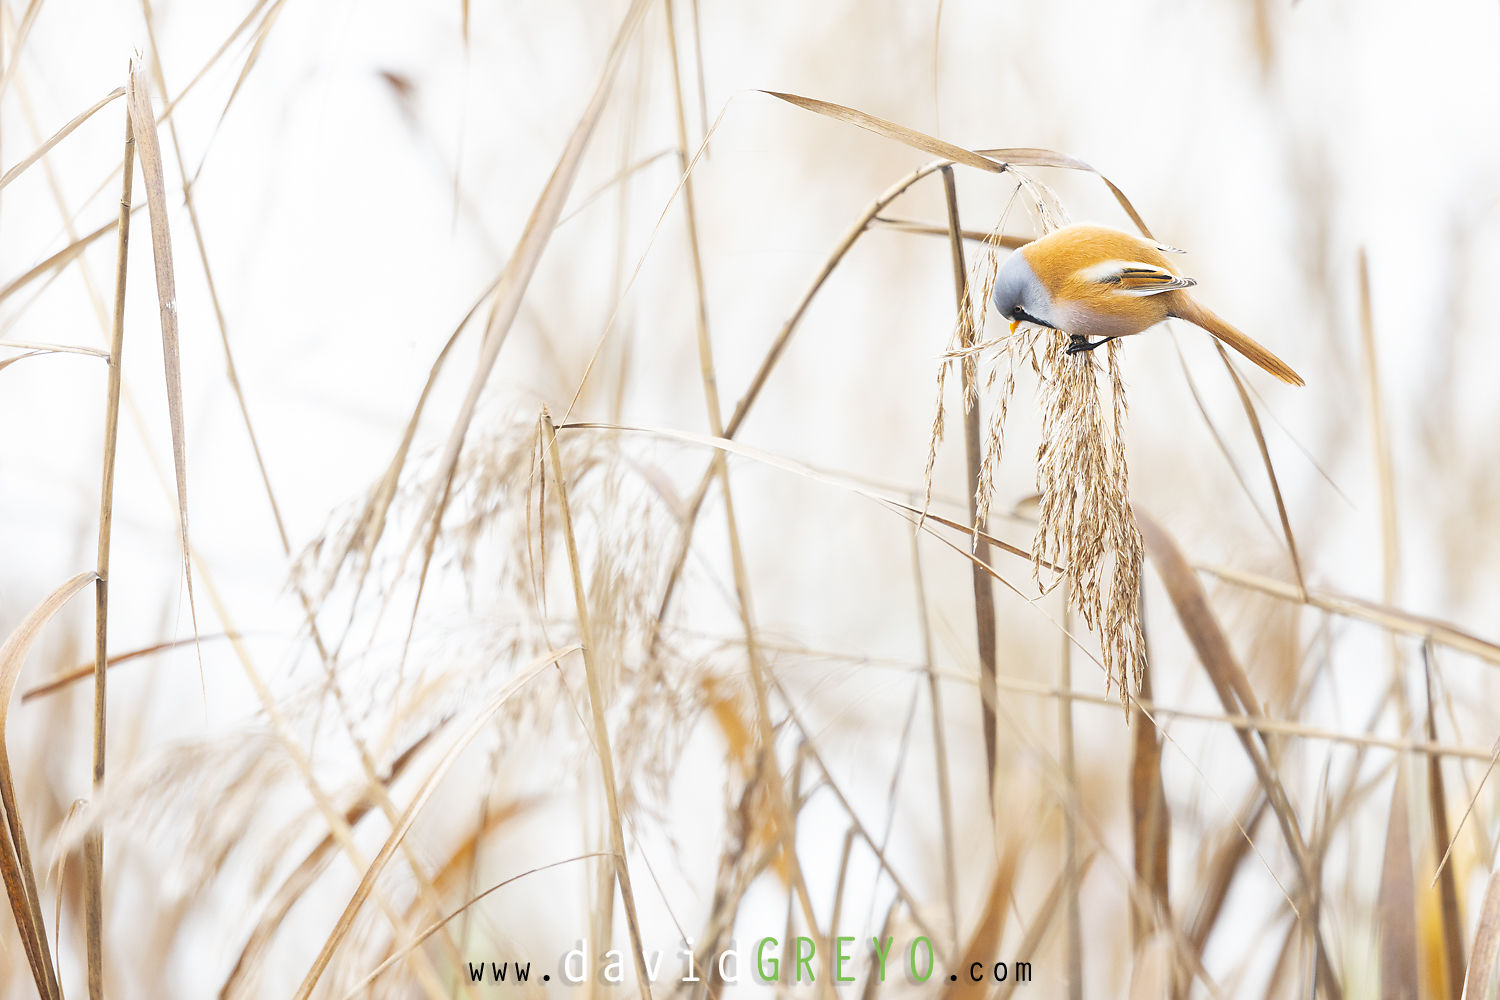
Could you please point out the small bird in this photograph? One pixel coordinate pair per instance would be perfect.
(1095, 282)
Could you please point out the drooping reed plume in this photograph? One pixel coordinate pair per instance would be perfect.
(1086, 533)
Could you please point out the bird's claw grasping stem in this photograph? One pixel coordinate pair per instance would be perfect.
(1078, 343)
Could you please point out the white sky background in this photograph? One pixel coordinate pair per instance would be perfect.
(343, 263)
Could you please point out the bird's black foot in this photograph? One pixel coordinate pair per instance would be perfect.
(1078, 343)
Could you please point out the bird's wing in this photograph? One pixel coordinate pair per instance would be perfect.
(1132, 277)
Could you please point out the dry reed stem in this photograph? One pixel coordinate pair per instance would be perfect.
(1473, 801)
(15, 857)
(1260, 724)
(1486, 947)
(262, 32)
(596, 708)
(841, 881)
(148, 151)
(22, 357)
(231, 369)
(57, 261)
(989, 160)
(1068, 761)
(93, 850)
(1396, 902)
(86, 670)
(931, 229)
(984, 596)
(1386, 477)
(1265, 456)
(1390, 541)
(1437, 801)
(939, 741)
(213, 61)
(92, 352)
(60, 135)
(1359, 609)
(23, 31)
(1257, 724)
(1151, 821)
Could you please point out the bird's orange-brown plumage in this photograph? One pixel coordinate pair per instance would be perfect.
(1106, 283)
(1061, 261)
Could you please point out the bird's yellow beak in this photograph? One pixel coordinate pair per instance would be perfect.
(1013, 324)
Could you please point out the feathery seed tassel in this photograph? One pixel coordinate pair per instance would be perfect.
(1085, 524)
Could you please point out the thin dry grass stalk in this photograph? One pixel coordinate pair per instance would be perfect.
(1067, 759)
(939, 741)
(1486, 944)
(1253, 419)
(596, 708)
(1437, 800)
(93, 849)
(1397, 904)
(15, 857)
(984, 594)
(148, 149)
(1151, 820)
(59, 136)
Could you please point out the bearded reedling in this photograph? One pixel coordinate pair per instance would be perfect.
(1095, 282)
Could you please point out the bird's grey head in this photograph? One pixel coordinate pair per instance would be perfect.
(1018, 295)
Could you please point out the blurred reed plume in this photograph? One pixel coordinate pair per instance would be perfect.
(1085, 533)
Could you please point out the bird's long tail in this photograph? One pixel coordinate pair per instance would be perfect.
(1191, 311)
